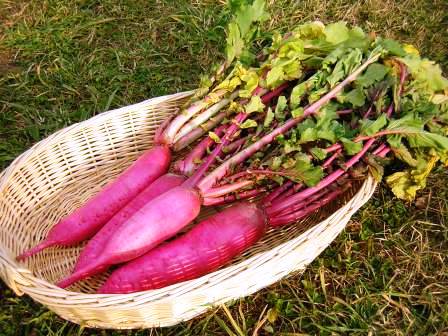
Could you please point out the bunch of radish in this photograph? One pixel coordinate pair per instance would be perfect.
(277, 132)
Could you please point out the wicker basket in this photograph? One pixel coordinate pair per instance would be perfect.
(59, 173)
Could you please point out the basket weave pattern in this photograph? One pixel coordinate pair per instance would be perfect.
(58, 174)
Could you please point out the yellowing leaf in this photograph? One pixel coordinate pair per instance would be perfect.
(405, 184)
(228, 84)
(255, 105)
(272, 315)
(275, 77)
(214, 137)
(249, 123)
(410, 49)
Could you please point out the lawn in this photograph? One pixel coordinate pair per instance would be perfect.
(64, 61)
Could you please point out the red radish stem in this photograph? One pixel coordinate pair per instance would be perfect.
(344, 112)
(224, 168)
(296, 187)
(326, 181)
(226, 189)
(277, 192)
(330, 160)
(198, 132)
(307, 209)
(226, 139)
(235, 145)
(390, 110)
(187, 165)
(403, 75)
(204, 116)
(234, 197)
(84, 222)
(96, 245)
(175, 125)
(380, 151)
(370, 109)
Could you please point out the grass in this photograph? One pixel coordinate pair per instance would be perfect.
(63, 61)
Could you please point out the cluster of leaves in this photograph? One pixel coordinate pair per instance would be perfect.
(401, 99)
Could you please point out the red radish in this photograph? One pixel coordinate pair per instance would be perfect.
(128, 241)
(84, 222)
(209, 245)
(155, 222)
(96, 245)
(216, 240)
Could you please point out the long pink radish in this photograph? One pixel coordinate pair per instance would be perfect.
(149, 226)
(84, 222)
(209, 245)
(95, 246)
(216, 240)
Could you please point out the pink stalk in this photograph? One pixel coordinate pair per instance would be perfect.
(294, 189)
(187, 165)
(277, 192)
(307, 210)
(194, 180)
(330, 160)
(301, 205)
(333, 148)
(226, 189)
(204, 116)
(231, 198)
(225, 167)
(159, 132)
(196, 133)
(338, 146)
(232, 147)
(379, 149)
(329, 179)
(384, 152)
(369, 111)
(172, 129)
(200, 131)
(390, 110)
(403, 75)
(266, 172)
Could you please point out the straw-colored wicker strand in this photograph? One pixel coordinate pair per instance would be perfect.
(59, 173)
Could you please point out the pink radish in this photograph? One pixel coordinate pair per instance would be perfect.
(133, 239)
(216, 240)
(209, 245)
(96, 245)
(84, 222)
(155, 222)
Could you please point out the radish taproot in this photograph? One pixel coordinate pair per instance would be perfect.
(95, 246)
(149, 226)
(84, 222)
(216, 240)
(207, 246)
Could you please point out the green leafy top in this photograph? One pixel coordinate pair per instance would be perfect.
(242, 29)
